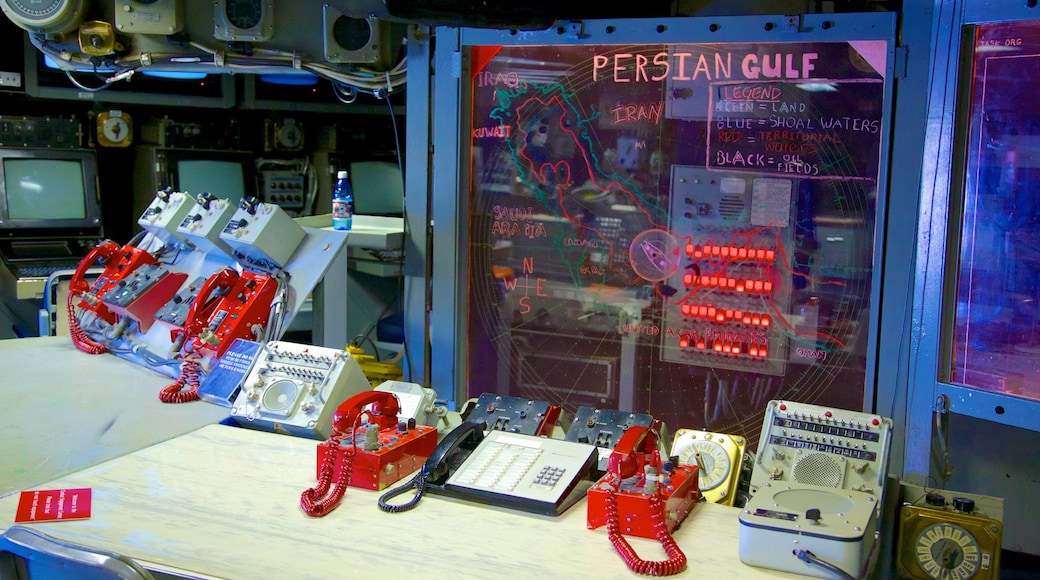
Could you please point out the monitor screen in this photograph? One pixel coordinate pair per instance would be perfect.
(223, 178)
(49, 189)
(44, 189)
(378, 188)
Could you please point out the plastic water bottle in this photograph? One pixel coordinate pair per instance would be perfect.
(342, 203)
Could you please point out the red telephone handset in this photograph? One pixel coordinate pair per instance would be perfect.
(624, 462)
(384, 411)
(102, 252)
(223, 279)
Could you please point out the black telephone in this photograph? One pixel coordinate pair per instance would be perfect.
(513, 470)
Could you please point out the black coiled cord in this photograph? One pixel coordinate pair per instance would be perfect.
(418, 482)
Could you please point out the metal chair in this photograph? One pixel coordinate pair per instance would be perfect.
(27, 554)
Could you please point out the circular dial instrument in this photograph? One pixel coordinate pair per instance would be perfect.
(713, 461)
(654, 255)
(244, 14)
(115, 129)
(946, 550)
(48, 16)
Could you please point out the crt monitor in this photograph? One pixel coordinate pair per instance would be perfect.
(378, 188)
(226, 174)
(49, 190)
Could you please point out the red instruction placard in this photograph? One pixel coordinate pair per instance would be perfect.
(53, 504)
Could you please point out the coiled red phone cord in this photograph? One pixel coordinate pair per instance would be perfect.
(174, 392)
(80, 338)
(328, 501)
(676, 561)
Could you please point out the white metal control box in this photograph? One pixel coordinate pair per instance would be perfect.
(295, 389)
(262, 235)
(204, 223)
(167, 210)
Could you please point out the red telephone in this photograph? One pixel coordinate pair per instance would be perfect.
(119, 262)
(210, 329)
(371, 456)
(655, 496)
(239, 312)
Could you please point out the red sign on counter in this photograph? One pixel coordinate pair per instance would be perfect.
(53, 504)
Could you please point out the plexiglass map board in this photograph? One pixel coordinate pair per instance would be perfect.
(685, 229)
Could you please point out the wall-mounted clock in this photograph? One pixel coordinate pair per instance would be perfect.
(940, 544)
(720, 460)
(114, 129)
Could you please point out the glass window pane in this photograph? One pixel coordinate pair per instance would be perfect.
(681, 229)
(997, 332)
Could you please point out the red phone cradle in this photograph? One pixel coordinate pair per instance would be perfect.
(379, 463)
(677, 489)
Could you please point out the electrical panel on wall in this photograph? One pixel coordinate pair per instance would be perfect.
(149, 16)
(357, 40)
(731, 235)
(243, 20)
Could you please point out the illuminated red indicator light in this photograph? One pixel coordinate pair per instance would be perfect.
(715, 251)
(757, 286)
(707, 250)
(725, 251)
(704, 311)
(875, 422)
(729, 314)
(742, 253)
(783, 407)
(684, 342)
(689, 249)
(720, 317)
(765, 320)
(726, 347)
(686, 309)
(768, 286)
(711, 312)
(828, 414)
(736, 349)
(700, 344)
(753, 351)
(688, 279)
(762, 351)
(760, 254)
(770, 255)
(704, 280)
(732, 283)
(714, 280)
(718, 346)
(747, 319)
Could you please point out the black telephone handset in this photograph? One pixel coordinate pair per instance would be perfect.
(447, 457)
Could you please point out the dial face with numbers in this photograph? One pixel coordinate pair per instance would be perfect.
(946, 550)
(713, 460)
(115, 129)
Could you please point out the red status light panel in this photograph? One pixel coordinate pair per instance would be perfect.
(728, 246)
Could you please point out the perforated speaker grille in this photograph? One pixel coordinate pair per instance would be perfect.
(818, 469)
(280, 397)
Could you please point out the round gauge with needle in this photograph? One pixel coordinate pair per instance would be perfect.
(716, 456)
(946, 550)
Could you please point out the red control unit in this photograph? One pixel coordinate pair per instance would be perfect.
(125, 262)
(245, 306)
(677, 489)
(377, 465)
